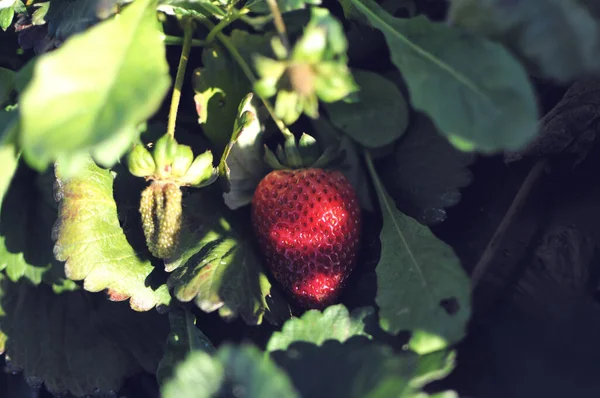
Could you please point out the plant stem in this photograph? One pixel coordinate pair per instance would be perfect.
(249, 75)
(188, 30)
(224, 23)
(279, 24)
(176, 41)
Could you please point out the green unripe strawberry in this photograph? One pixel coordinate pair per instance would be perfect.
(183, 161)
(160, 209)
(201, 172)
(140, 162)
(165, 151)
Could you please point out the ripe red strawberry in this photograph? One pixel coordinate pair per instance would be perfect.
(308, 226)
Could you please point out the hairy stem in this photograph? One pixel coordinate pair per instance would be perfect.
(188, 30)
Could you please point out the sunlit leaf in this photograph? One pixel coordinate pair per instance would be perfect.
(99, 114)
(94, 246)
(334, 323)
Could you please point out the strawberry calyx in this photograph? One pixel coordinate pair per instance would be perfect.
(172, 162)
(301, 154)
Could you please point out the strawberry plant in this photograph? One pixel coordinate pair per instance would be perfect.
(205, 198)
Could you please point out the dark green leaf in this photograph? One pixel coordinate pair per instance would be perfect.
(378, 118)
(476, 93)
(183, 339)
(335, 323)
(217, 265)
(232, 372)
(76, 341)
(65, 17)
(26, 220)
(421, 286)
(351, 165)
(220, 86)
(424, 174)
(261, 6)
(91, 241)
(559, 39)
(99, 114)
(7, 77)
(356, 368)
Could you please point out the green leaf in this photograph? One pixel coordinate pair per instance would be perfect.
(487, 98)
(246, 166)
(76, 341)
(356, 368)
(234, 370)
(37, 18)
(334, 323)
(94, 246)
(220, 85)
(26, 220)
(217, 265)
(425, 173)
(98, 115)
(8, 151)
(196, 8)
(183, 339)
(65, 17)
(7, 13)
(261, 6)
(558, 39)
(7, 77)
(379, 117)
(250, 129)
(421, 286)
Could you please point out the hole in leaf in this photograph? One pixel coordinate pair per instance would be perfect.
(450, 305)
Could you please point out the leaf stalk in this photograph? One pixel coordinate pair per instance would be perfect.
(279, 24)
(249, 75)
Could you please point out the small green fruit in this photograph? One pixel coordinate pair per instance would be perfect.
(160, 208)
(140, 162)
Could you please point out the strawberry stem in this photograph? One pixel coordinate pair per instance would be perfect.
(188, 30)
(249, 75)
(177, 41)
(279, 24)
(229, 19)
